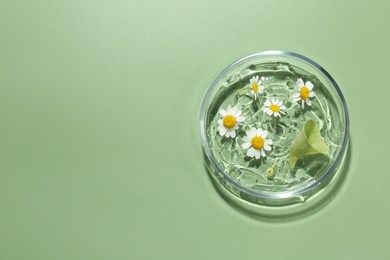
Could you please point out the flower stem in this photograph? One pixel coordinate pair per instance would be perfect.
(243, 89)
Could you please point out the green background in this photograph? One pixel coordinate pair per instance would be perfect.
(100, 153)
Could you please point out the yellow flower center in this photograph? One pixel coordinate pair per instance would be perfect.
(274, 108)
(255, 87)
(257, 142)
(305, 92)
(229, 121)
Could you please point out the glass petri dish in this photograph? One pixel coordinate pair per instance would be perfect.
(274, 128)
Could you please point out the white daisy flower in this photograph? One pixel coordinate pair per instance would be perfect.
(231, 118)
(256, 143)
(257, 86)
(303, 91)
(274, 107)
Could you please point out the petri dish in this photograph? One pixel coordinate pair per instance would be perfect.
(274, 127)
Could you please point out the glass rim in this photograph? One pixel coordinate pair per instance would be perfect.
(282, 194)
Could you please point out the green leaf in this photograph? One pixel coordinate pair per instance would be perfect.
(309, 141)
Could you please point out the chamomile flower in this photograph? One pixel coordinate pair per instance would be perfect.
(257, 86)
(302, 92)
(256, 143)
(274, 108)
(231, 118)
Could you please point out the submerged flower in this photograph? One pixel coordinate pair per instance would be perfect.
(256, 143)
(274, 107)
(231, 118)
(257, 86)
(303, 91)
(271, 170)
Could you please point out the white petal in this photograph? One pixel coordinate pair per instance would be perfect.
(252, 80)
(222, 131)
(300, 83)
(233, 111)
(240, 119)
(262, 78)
(231, 133)
(246, 138)
(256, 78)
(228, 132)
(222, 112)
(257, 154)
(259, 132)
(268, 142)
(267, 103)
(277, 114)
(309, 85)
(296, 94)
(238, 113)
(250, 152)
(308, 102)
(261, 89)
(220, 121)
(268, 111)
(262, 152)
(296, 99)
(220, 127)
(273, 101)
(264, 134)
(253, 132)
(312, 94)
(303, 104)
(252, 92)
(228, 110)
(267, 147)
(245, 145)
(236, 127)
(280, 103)
(283, 108)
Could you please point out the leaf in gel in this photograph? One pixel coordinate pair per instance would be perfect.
(308, 142)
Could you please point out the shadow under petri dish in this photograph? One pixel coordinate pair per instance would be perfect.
(269, 187)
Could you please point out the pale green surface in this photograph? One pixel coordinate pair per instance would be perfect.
(100, 151)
